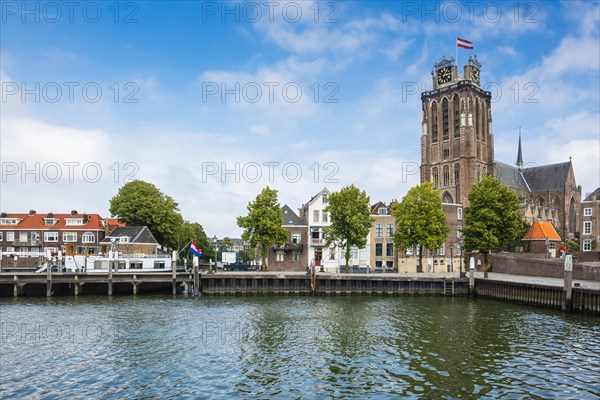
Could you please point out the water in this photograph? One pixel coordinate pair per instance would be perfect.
(293, 348)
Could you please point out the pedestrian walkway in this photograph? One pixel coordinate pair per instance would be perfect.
(536, 280)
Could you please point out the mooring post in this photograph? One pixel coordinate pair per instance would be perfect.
(76, 286)
(195, 290)
(567, 297)
(472, 274)
(313, 278)
(174, 269)
(111, 263)
(48, 277)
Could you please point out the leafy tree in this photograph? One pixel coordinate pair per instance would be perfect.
(492, 219)
(263, 224)
(226, 243)
(193, 231)
(421, 220)
(140, 203)
(351, 219)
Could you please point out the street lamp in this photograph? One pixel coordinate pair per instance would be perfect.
(215, 243)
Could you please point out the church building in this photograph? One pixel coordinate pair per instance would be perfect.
(457, 151)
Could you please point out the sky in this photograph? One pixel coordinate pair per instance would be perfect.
(211, 101)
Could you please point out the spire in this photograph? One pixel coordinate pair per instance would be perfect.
(519, 163)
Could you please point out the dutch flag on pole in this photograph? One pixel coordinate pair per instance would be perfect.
(465, 44)
(195, 250)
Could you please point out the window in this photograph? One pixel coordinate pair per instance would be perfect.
(35, 236)
(434, 123)
(22, 236)
(456, 175)
(459, 231)
(123, 239)
(316, 216)
(354, 254)
(587, 227)
(69, 237)
(325, 216)
(382, 211)
(441, 251)
(378, 230)
(587, 212)
(587, 245)
(159, 265)
(389, 249)
(87, 237)
(74, 221)
(10, 249)
(49, 221)
(9, 221)
(325, 198)
(435, 177)
(295, 256)
(279, 256)
(390, 230)
(295, 238)
(135, 264)
(10, 236)
(378, 249)
(446, 154)
(50, 236)
(446, 175)
(459, 214)
(456, 117)
(445, 124)
(389, 264)
(1, 235)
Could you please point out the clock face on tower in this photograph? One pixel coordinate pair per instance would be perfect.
(444, 75)
(475, 75)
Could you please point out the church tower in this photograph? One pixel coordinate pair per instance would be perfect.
(457, 144)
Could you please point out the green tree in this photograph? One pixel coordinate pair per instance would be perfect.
(193, 231)
(226, 243)
(421, 220)
(140, 203)
(492, 220)
(351, 220)
(263, 224)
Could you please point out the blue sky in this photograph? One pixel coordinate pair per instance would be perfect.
(212, 101)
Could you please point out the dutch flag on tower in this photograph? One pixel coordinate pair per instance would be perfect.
(195, 250)
(465, 44)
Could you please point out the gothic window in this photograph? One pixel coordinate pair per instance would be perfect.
(477, 121)
(446, 154)
(435, 177)
(484, 128)
(456, 107)
(572, 219)
(446, 175)
(445, 117)
(456, 174)
(541, 201)
(478, 173)
(447, 198)
(434, 123)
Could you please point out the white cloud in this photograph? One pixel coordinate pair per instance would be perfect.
(261, 129)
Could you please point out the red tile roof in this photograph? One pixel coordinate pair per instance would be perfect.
(540, 230)
(36, 221)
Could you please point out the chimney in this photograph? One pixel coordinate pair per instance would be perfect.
(73, 212)
(50, 215)
(3, 215)
(31, 212)
(85, 218)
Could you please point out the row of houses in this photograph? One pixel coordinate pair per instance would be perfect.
(26, 237)
(306, 245)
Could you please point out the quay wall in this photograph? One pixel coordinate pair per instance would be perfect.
(549, 268)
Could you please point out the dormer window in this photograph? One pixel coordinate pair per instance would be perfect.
(123, 239)
(325, 198)
(382, 211)
(74, 221)
(9, 221)
(50, 221)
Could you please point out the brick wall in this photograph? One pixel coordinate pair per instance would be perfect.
(550, 268)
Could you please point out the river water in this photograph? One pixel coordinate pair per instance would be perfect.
(156, 347)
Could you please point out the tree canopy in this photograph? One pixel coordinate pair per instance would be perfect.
(140, 203)
(263, 224)
(421, 220)
(492, 220)
(194, 231)
(350, 216)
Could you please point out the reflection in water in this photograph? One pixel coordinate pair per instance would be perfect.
(293, 347)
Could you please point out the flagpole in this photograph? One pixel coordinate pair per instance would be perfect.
(456, 58)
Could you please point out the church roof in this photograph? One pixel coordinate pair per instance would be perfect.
(547, 177)
(511, 176)
(594, 194)
(540, 230)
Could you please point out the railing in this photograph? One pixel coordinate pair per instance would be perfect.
(317, 242)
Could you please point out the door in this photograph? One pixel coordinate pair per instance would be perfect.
(318, 257)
